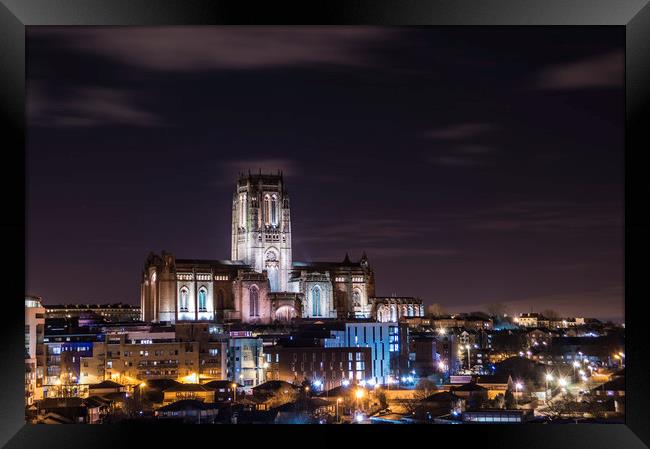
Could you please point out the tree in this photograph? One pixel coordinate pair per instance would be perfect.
(382, 399)
(282, 396)
(436, 310)
(423, 390)
(559, 406)
(509, 399)
(497, 310)
(550, 314)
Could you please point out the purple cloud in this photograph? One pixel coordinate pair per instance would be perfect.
(232, 47)
(87, 106)
(461, 131)
(605, 70)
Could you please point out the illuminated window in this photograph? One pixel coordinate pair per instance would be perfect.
(221, 277)
(315, 299)
(339, 279)
(274, 210)
(356, 298)
(357, 279)
(254, 301)
(267, 210)
(184, 300)
(203, 294)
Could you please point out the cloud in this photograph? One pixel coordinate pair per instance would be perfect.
(231, 47)
(460, 132)
(605, 70)
(464, 155)
(542, 217)
(86, 107)
(362, 231)
(455, 161)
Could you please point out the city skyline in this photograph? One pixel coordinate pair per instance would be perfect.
(468, 177)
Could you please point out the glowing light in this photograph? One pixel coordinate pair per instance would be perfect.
(358, 417)
(410, 378)
(518, 386)
(362, 383)
(318, 383)
(143, 384)
(345, 383)
(372, 382)
(549, 377)
(441, 331)
(563, 382)
(359, 393)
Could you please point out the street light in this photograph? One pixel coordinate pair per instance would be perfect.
(576, 364)
(234, 389)
(359, 394)
(549, 378)
(518, 386)
(338, 401)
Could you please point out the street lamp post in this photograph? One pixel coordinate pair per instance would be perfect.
(469, 363)
(359, 395)
(549, 378)
(234, 390)
(517, 388)
(338, 401)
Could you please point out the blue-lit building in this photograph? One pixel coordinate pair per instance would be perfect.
(382, 339)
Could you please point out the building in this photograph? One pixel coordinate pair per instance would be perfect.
(34, 349)
(382, 339)
(106, 312)
(133, 357)
(427, 359)
(65, 344)
(246, 359)
(261, 283)
(183, 392)
(529, 319)
(327, 367)
(392, 309)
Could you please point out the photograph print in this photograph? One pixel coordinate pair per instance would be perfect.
(324, 225)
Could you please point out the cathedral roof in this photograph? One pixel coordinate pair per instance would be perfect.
(212, 263)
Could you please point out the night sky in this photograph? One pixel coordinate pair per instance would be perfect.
(473, 165)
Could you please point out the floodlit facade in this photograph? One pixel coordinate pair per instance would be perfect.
(261, 284)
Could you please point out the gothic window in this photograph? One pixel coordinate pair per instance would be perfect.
(315, 300)
(254, 301)
(274, 210)
(184, 295)
(267, 210)
(203, 294)
(356, 298)
(242, 210)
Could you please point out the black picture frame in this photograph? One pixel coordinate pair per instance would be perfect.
(634, 15)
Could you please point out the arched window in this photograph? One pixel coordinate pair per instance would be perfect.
(267, 210)
(220, 300)
(203, 295)
(274, 210)
(242, 210)
(356, 298)
(315, 300)
(184, 300)
(254, 301)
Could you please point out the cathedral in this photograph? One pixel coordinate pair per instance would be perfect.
(261, 283)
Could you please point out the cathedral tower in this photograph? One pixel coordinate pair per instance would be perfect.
(261, 227)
